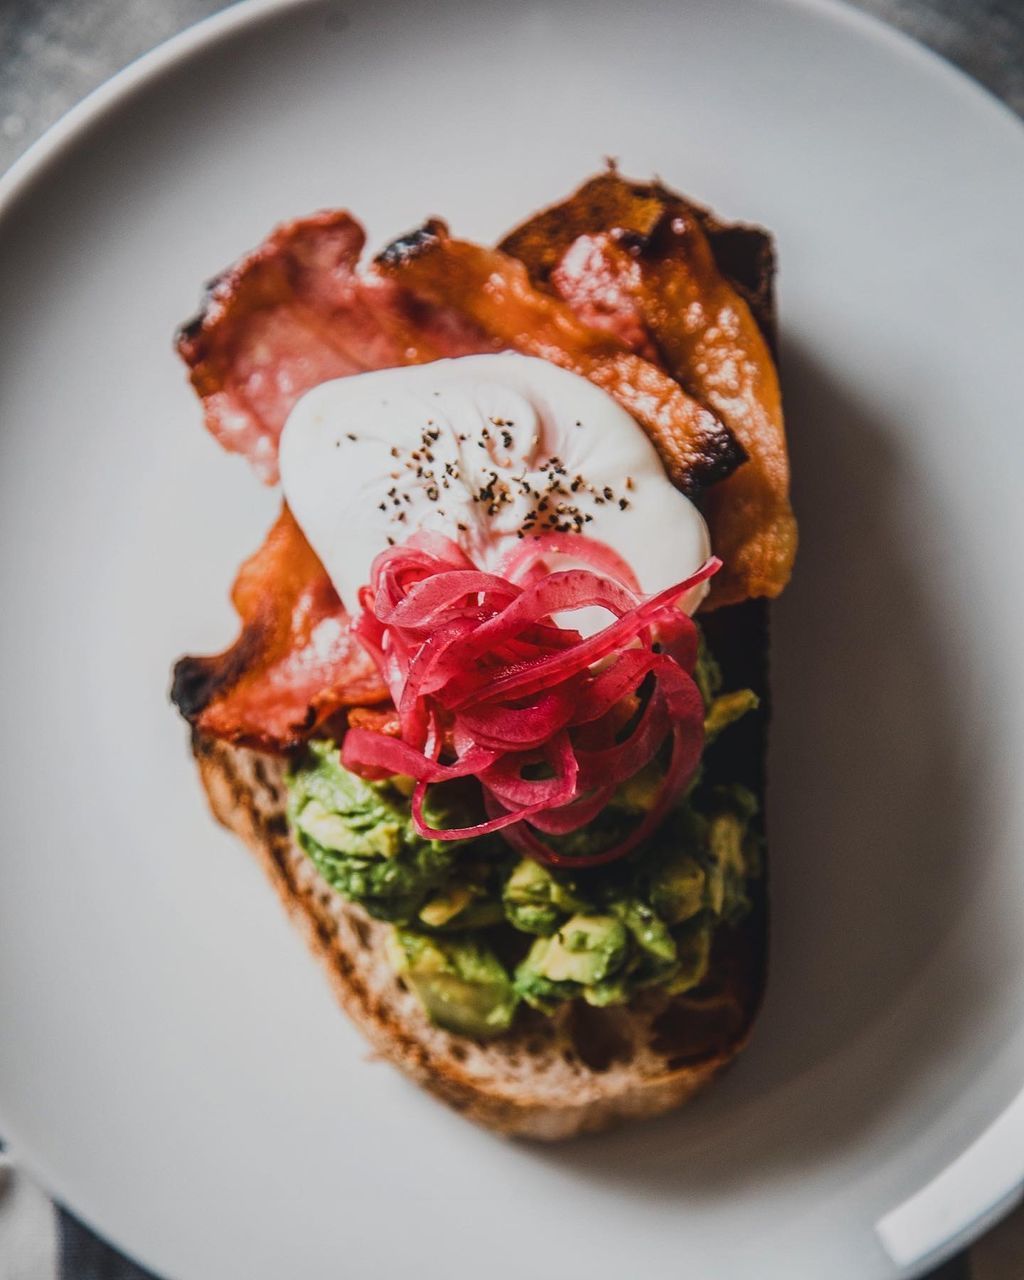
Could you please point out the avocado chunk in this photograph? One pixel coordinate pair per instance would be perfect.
(727, 709)
(361, 838)
(341, 812)
(693, 949)
(641, 792)
(444, 907)
(648, 931)
(461, 905)
(535, 901)
(461, 983)
(731, 853)
(584, 950)
(678, 888)
(707, 673)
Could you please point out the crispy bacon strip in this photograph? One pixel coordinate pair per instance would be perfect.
(294, 313)
(379, 719)
(294, 663)
(494, 293)
(298, 311)
(636, 261)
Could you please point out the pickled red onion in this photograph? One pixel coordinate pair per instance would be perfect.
(486, 684)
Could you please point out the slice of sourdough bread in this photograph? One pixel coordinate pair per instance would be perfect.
(549, 1078)
(585, 1068)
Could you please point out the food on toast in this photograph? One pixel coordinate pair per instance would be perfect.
(495, 719)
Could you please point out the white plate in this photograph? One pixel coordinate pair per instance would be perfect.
(170, 1060)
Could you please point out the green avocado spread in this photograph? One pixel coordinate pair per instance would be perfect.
(478, 931)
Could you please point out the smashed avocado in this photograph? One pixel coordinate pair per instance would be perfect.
(479, 930)
(535, 902)
(361, 838)
(461, 983)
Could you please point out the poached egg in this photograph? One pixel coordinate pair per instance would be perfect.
(487, 450)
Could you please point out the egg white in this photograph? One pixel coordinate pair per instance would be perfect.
(349, 466)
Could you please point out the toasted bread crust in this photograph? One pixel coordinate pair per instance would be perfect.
(548, 1078)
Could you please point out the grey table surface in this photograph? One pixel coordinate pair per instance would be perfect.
(53, 52)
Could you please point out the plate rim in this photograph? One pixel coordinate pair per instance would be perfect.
(69, 128)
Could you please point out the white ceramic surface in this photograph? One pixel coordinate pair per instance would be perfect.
(170, 1060)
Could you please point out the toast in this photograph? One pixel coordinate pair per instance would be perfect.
(549, 1077)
